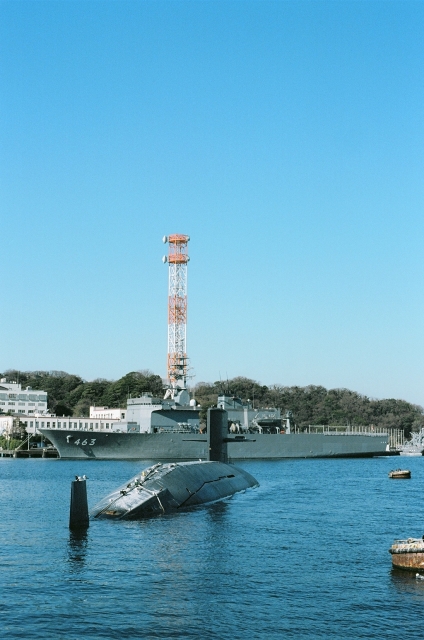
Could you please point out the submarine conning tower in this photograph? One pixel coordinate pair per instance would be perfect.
(217, 428)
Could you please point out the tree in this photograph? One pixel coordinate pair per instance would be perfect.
(62, 410)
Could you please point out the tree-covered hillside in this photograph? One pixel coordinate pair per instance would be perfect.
(317, 405)
(71, 395)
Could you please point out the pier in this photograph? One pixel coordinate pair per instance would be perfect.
(39, 452)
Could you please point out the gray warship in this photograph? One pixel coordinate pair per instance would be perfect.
(169, 429)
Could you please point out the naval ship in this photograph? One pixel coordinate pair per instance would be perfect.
(170, 429)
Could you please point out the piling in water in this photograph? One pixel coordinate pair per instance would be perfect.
(78, 515)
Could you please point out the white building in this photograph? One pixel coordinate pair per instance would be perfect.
(107, 414)
(30, 406)
(14, 399)
(34, 423)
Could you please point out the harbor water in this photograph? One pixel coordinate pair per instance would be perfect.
(303, 556)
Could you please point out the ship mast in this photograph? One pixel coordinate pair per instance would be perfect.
(177, 260)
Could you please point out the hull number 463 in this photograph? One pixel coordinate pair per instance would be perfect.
(91, 442)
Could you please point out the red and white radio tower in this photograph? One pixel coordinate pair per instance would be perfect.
(177, 309)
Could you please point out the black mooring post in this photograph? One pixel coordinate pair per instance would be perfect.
(217, 424)
(78, 515)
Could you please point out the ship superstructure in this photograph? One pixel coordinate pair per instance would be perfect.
(243, 417)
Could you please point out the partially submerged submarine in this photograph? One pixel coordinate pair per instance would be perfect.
(163, 488)
(168, 487)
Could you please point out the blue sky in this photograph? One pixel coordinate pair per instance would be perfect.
(286, 138)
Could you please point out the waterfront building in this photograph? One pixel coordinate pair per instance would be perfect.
(70, 423)
(14, 399)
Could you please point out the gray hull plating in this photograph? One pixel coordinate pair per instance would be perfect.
(164, 488)
(193, 446)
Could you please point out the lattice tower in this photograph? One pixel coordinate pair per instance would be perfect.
(177, 308)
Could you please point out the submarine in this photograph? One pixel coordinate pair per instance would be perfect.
(167, 487)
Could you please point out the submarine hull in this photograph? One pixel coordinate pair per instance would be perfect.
(164, 488)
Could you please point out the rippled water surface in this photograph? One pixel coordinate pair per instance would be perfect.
(304, 556)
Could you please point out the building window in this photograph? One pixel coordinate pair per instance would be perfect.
(107, 425)
(97, 425)
(48, 425)
(10, 403)
(42, 424)
(58, 425)
(53, 424)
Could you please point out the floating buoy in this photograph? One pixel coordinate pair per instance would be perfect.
(400, 474)
(408, 554)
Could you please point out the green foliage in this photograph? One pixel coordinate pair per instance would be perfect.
(58, 384)
(13, 443)
(317, 405)
(71, 395)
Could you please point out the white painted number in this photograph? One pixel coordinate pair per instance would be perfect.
(83, 443)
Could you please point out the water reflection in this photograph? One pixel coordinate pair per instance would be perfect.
(408, 582)
(77, 548)
(217, 511)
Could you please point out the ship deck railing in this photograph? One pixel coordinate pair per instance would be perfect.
(342, 430)
(114, 429)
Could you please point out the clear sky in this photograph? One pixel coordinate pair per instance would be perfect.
(286, 138)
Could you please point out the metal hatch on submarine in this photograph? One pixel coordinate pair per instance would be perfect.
(167, 487)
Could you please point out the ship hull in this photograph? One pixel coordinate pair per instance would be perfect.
(193, 446)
